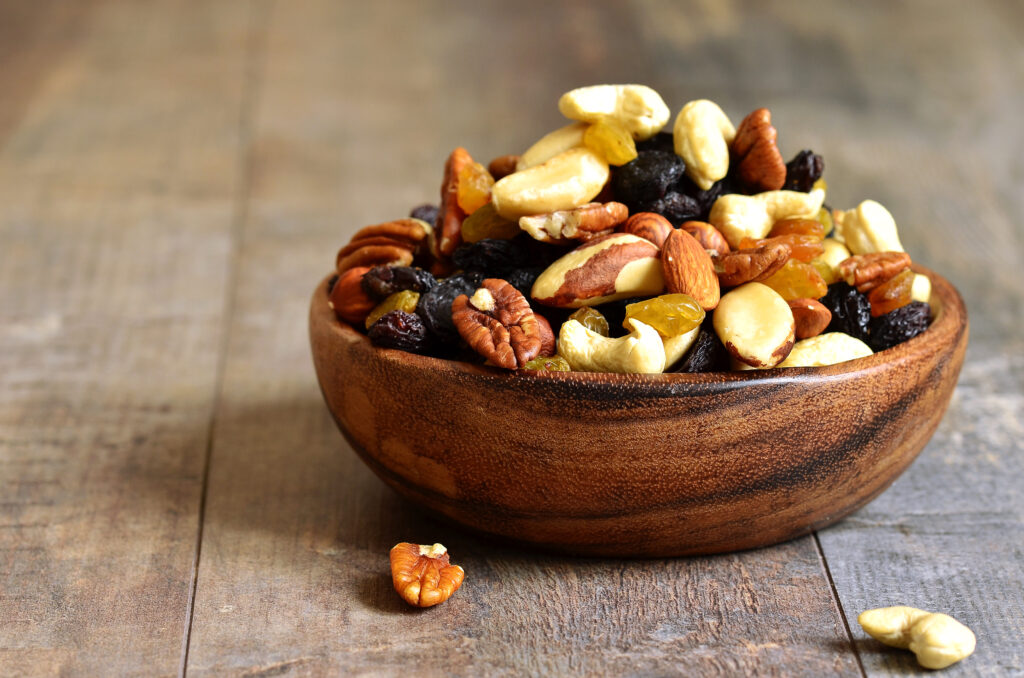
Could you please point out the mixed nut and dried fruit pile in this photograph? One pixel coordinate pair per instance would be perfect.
(694, 250)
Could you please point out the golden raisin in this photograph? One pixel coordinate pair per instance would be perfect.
(485, 223)
(828, 274)
(797, 226)
(592, 319)
(474, 190)
(892, 294)
(555, 363)
(825, 219)
(802, 247)
(797, 280)
(405, 300)
(611, 140)
(670, 314)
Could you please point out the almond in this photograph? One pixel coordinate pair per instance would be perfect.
(688, 269)
(709, 237)
(810, 317)
(348, 299)
(649, 226)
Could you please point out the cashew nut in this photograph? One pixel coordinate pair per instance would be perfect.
(570, 179)
(639, 108)
(551, 144)
(937, 639)
(676, 347)
(867, 228)
(921, 289)
(752, 216)
(825, 349)
(702, 134)
(639, 352)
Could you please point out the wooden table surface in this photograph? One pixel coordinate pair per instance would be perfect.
(175, 178)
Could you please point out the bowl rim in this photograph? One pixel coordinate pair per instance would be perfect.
(948, 324)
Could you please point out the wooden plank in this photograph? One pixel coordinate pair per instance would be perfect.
(119, 147)
(293, 574)
(948, 535)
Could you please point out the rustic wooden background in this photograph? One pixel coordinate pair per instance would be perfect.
(174, 180)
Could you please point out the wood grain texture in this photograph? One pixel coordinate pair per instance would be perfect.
(291, 577)
(118, 157)
(640, 465)
(122, 127)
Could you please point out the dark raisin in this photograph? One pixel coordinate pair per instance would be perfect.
(331, 283)
(676, 207)
(703, 199)
(523, 278)
(662, 141)
(427, 213)
(544, 254)
(381, 282)
(646, 178)
(899, 325)
(615, 312)
(401, 330)
(851, 310)
(707, 354)
(435, 305)
(492, 256)
(803, 170)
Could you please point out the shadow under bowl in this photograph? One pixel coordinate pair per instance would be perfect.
(640, 465)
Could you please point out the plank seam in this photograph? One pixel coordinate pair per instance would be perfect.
(839, 603)
(259, 24)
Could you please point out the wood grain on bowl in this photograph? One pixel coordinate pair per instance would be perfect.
(640, 465)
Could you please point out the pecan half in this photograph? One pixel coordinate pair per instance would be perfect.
(868, 271)
(451, 216)
(709, 237)
(497, 323)
(392, 243)
(374, 255)
(752, 265)
(761, 167)
(649, 226)
(580, 223)
(410, 230)
(423, 575)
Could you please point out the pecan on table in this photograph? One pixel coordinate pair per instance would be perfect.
(423, 575)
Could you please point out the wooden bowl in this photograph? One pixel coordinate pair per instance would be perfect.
(640, 465)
